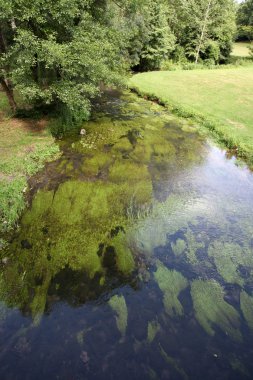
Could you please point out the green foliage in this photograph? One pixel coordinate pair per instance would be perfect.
(160, 40)
(171, 284)
(58, 54)
(204, 28)
(211, 310)
(245, 13)
(14, 183)
(118, 304)
(12, 202)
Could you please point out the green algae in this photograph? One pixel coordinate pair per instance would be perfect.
(212, 310)
(80, 336)
(246, 303)
(124, 257)
(178, 247)
(38, 303)
(126, 170)
(171, 284)
(227, 258)
(174, 364)
(153, 329)
(193, 245)
(95, 164)
(152, 374)
(118, 304)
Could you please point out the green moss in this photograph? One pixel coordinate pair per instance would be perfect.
(153, 329)
(178, 247)
(171, 284)
(211, 310)
(227, 258)
(118, 304)
(246, 303)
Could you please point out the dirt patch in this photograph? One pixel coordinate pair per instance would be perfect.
(5, 177)
(34, 126)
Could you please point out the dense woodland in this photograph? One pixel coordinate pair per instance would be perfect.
(56, 53)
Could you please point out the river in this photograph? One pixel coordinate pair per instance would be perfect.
(134, 259)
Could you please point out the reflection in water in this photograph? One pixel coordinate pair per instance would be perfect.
(135, 258)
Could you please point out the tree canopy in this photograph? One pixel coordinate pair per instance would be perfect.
(245, 20)
(58, 53)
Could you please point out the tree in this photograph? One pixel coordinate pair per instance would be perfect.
(56, 52)
(205, 28)
(160, 39)
(245, 20)
(147, 34)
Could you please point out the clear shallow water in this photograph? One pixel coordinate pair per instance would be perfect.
(135, 258)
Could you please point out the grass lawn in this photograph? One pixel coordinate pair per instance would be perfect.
(220, 99)
(241, 49)
(25, 145)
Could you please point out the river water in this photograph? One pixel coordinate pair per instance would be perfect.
(134, 259)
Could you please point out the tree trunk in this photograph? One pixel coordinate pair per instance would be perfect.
(203, 30)
(9, 93)
(3, 81)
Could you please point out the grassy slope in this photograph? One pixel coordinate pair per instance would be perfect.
(24, 147)
(241, 49)
(222, 97)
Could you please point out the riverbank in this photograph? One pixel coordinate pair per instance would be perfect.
(25, 146)
(218, 100)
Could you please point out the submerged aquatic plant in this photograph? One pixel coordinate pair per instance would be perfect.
(124, 257)
(227, 258)
(118, 304)
(153, 329)
(171, 284)
(246, 303)
(212, 310)
(193, 246)
(178, 247)
(174, 364)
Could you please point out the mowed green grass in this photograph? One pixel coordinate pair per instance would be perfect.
(241, 49)
(224, 96)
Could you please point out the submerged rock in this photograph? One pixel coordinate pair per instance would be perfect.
(83, 132)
